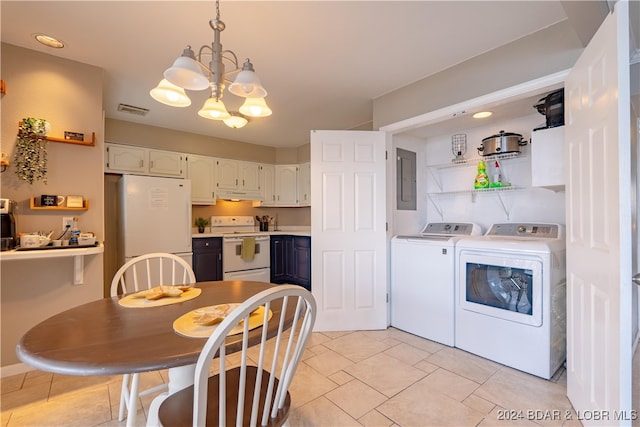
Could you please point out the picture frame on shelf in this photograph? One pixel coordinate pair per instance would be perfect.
(73, 136)
(75, 201)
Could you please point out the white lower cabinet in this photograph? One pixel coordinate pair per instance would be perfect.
(201, 170)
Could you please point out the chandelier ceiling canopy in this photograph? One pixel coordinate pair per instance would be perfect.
(191, 72)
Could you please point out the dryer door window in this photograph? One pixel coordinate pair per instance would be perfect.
(505, 288)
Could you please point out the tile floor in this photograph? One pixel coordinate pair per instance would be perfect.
(368, 378)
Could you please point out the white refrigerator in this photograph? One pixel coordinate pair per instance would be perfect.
(155, 215)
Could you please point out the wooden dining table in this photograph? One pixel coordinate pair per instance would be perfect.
(105, 338)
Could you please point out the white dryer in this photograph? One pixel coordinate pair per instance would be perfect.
(422, 280)
(511, 296)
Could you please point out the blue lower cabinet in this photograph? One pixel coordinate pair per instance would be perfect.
(291, 260)
(207, 258)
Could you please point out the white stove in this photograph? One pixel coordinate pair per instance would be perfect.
(246, 252)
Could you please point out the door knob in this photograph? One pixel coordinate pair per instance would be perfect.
(636, 279)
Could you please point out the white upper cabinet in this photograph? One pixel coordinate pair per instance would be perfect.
(249, 177)
(268, 184)
(167, 163)
(201, 170)
(287, 185)
(227, 175)
(144, 161)
(238, 180)
(125, 159)
(547, 158)
(304, 184)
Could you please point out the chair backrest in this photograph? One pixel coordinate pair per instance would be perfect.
(277, 358)
(149, 270)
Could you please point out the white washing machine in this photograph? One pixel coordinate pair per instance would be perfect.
(422, 280)
(511, 296)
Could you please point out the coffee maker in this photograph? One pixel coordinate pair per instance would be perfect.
(8, 234)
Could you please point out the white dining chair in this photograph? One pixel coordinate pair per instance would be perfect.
(140, 273)
(255, 390)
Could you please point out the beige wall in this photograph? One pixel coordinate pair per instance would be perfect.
(548, 51)
(130, 133)
(69, 95)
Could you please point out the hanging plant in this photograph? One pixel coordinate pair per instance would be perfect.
(31, 150)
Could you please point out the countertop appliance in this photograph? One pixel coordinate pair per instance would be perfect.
(246, 253)
(422, 280)
(552, 107)
(8, 233)
(156, 216)
(511, 296)
(501, 143)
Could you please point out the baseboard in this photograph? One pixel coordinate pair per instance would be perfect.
(18, 368)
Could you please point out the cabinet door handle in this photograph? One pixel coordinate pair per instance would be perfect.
(207, 244)
(219, 257)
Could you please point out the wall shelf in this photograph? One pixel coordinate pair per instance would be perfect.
(88, 143)
(474, 161)
(32, 206)
(77, 254)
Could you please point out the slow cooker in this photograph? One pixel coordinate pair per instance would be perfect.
(504, 142)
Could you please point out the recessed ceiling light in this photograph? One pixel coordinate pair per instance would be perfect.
(482, 114)
(49, 41)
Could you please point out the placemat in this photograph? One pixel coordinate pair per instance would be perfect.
(132, 301)
(184, 325)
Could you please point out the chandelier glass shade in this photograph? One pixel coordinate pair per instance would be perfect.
(255, 107)
(189, 71)
(170, 94)
(236, 121)
(214, 109)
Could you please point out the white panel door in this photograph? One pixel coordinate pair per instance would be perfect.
(599, 344)
(349, 259)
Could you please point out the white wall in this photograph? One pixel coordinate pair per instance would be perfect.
(525, 204)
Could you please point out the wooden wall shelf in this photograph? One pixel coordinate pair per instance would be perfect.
(89, 143)
(32, 206)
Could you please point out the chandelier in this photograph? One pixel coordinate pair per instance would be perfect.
(190, 72)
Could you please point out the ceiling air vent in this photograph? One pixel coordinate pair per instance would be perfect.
(133, 110)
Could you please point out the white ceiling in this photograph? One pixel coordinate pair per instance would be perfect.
(322, 62)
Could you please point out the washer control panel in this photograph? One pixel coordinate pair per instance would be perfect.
(540, 231)
(451, 229)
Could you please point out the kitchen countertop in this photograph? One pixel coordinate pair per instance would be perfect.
(284, 231)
